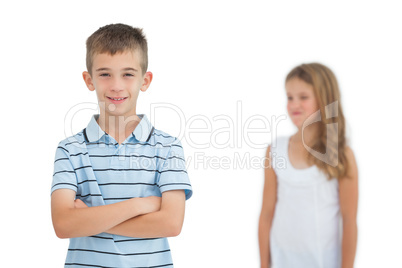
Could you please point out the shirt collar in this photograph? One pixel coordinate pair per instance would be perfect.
(93, 132)
(142, 131)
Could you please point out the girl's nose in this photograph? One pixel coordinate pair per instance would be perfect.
(294, 104)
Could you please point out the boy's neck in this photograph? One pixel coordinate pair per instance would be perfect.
(119, 127)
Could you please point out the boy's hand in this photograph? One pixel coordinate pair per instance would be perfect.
(150, 204)
(79, 204)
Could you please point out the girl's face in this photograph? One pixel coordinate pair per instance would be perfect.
(301, 101)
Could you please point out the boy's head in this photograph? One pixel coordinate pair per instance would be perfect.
(117, 68)
(117, 38)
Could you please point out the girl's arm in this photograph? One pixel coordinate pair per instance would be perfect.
(267, 211)
(348, 196)
(74, 219)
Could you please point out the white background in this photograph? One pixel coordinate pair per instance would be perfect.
(206, 57)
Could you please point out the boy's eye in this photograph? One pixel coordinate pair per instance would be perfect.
(128, 74)
(104, 74)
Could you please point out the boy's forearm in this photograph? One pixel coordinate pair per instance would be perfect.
(166, 222)
(349, 242)
(72, 222)
(152, 225)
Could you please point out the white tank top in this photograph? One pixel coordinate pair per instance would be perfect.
(306, 230)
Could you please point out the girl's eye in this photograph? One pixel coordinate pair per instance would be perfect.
(289, 98)
(304, 97)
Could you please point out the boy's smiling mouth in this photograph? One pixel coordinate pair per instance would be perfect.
(122, 98)
(117, 100)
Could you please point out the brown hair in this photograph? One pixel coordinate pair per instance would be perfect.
(330, 139)
(114, 38)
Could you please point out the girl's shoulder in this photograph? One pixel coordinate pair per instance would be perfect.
(279, 143)
(351, 169)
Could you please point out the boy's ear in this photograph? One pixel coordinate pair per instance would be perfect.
(88, 81)
(147, 81)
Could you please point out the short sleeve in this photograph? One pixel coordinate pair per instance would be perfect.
(173, 174)
(64, 174)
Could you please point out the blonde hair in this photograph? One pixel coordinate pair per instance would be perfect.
(330, 139)
(114, 38)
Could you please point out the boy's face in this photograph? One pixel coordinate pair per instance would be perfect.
(117, 81)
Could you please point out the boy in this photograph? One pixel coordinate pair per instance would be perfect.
(120, 185)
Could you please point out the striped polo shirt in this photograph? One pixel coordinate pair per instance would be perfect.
(101, 171)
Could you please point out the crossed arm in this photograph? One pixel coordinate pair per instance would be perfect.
(137, 217)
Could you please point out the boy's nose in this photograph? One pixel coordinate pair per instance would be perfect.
(117, 85)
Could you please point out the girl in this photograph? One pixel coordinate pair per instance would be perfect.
(308, 215)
